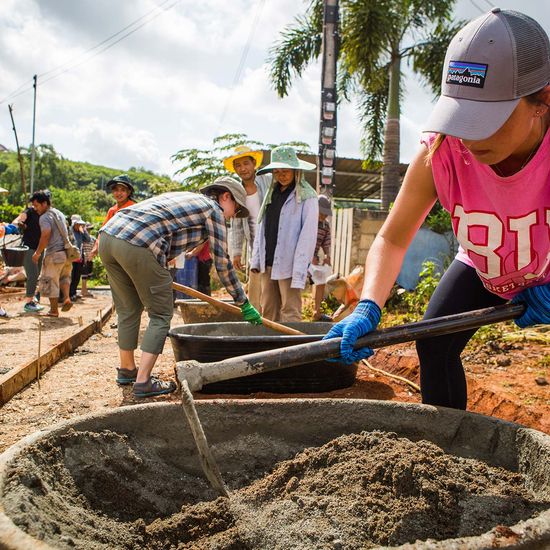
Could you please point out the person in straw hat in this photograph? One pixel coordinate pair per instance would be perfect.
(485, 157)
(244, 162)
(286, 235)
(135, 248)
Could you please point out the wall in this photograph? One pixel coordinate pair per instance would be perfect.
(366, 224)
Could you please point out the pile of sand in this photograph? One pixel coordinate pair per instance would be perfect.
(357, 491)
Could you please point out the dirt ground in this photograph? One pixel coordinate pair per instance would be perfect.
(506, 379)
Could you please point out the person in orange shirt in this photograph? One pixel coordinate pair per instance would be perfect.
(122, 189)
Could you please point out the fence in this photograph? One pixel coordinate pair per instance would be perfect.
(342, 240)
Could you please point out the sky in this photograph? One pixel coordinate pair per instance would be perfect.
(191, 72)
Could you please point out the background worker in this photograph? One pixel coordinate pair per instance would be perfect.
(136, 246)
(286, 236)
(7, 229)
(80, 236)
(323, 243)
(488, 163)
(122, 189)
(244, 162)
(29, 222)
(55, 275)
(88, 264)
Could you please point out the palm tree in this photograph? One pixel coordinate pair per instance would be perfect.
(376, 36)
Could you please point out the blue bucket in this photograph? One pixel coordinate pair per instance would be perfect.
(188, 275)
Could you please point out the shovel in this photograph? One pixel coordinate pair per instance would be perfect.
(198, 374)
(192, 375)
(231, 308)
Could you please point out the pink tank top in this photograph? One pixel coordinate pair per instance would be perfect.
(502, 224)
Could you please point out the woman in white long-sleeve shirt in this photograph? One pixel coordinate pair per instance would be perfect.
(286, 236)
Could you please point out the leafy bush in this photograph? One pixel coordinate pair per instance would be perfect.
(417, 300)
(99, 274)
(8, 212)
(439, 220)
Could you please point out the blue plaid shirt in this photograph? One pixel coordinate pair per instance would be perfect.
(173, 223)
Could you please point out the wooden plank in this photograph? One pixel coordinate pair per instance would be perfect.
(349, 241)
(333, 239)
(335, 248)
(16, 379)
(342, 240)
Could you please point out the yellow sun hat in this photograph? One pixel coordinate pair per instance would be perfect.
(242, 151)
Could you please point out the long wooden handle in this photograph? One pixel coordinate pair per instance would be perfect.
(198, 374)
(231, 308)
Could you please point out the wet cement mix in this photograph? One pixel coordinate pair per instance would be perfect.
(103, 490)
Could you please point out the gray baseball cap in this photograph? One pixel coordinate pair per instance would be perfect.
(490, 65)
(235, 188)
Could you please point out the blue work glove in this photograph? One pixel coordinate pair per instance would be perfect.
(251, 314)
(537, 300)
(11, 229)
(364, 319)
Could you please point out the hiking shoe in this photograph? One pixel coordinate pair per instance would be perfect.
(32, 307)
(125, 376)
(153, 387)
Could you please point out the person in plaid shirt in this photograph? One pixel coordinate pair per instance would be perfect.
(136, 246)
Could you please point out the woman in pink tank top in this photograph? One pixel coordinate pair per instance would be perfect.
(485, 157)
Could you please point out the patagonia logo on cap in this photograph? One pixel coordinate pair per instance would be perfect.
(465, 73)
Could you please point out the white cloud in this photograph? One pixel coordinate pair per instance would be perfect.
(106, 143)
(166, 86)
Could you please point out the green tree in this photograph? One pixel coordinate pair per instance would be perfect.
(202, 166)
(376, 36)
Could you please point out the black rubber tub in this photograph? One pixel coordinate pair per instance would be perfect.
(14, 256)
(210, 342)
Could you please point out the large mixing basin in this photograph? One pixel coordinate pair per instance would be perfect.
(214, 342)
(86, 456)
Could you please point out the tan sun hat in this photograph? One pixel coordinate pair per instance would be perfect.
(240, 152)
(235, 188)
(2, 190)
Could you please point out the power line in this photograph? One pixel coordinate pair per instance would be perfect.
(242, 61)
(81, 58)
(475, 5)
(15, 94)
(108, 46)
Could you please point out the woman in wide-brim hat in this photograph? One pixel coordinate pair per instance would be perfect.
(286, 235)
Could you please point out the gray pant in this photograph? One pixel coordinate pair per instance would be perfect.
(32, 271)
(138, 281)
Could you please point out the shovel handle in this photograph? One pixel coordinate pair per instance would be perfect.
(231, 308)
(199, 374)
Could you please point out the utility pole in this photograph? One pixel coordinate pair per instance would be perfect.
(19, 157)
(327, 125)
(33, 128)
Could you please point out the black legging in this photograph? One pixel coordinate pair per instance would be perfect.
(442, 377)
